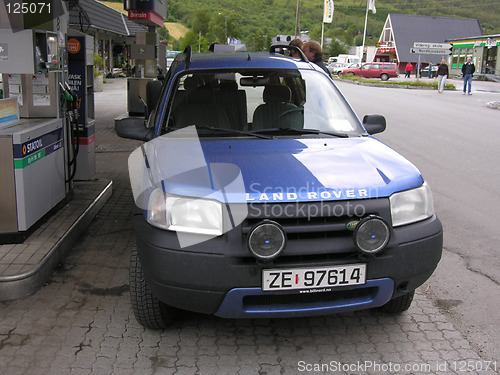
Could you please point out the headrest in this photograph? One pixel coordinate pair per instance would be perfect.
(228, 85)
(192, 83)
(277, 93)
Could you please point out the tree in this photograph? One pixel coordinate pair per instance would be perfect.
(165, 35)
(225, 24)
(194, 40)
(234, 26)
(217, 28)
(201, 21)
(315, 33)
(342, 35)
(335, 48)
(258, 41)
(191, 38)
(358, 40)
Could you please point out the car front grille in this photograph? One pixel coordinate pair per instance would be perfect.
(316, 228)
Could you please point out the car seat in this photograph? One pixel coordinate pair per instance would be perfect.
(277, 110)
(234, 102)
(198, 107)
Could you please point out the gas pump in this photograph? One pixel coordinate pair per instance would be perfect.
(144, 54)
(70, 111)
(81, 86)
(33, 139)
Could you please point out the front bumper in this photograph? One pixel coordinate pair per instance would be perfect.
(214, 278)
(254, 303)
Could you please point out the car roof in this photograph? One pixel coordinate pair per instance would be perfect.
(244, 60)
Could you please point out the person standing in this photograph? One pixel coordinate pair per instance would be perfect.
(442, 75)
(312, 50)
(430, 70)
(297, 43)
(408, 69)
(468, 70)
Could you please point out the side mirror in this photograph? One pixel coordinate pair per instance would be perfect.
(133, 128)
(374, 123)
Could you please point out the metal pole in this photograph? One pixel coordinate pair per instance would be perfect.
(225, 18)
(364, 31)
(418, 68)
(297, 18)
(322, 32)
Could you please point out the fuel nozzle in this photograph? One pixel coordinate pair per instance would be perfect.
(73, 103)
(65, 94)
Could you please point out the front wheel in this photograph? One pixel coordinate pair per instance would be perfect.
(384, 77)
(399, 304)
(149, 311)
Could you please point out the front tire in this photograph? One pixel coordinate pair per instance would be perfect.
(149, 311)
(399, 304)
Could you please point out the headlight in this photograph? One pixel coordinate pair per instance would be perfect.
(266, 240)
(371, 235)
(411, 206)
(183, 214)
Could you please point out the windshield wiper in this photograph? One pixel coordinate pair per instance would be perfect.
(301, 131)
(231, 131)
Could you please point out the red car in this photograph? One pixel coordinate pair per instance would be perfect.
(380, 70)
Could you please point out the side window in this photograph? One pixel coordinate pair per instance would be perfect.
(389, 67)
(177, 95)
(366, 66)
(377, 66)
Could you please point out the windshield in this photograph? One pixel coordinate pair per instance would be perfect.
(254, 101)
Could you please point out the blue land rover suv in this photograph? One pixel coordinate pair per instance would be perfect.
(260, 194)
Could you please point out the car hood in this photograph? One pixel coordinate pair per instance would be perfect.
(281, 170)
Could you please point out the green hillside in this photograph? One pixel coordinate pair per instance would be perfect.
(279, 15)
(256, 21)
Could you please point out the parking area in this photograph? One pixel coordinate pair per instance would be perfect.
(81, 321)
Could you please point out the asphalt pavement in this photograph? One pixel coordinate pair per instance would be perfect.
(81, 321)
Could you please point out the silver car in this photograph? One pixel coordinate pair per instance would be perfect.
(336, 67)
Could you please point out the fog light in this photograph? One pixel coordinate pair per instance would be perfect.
(371, 235)
(266, 240)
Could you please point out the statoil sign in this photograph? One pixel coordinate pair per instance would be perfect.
(27, 153)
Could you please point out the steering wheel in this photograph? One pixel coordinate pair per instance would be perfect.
(287, 113)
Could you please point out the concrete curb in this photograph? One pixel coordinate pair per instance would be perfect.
(391, 86)
(26, 283)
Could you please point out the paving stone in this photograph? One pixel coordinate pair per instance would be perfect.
(81, 322)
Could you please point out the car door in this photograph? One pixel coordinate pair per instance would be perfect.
(365, 70)
(376, 70)
(391, 70)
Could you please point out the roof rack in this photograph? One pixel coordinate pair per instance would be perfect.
(290, 48)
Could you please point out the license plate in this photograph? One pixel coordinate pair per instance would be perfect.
(307, 278)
